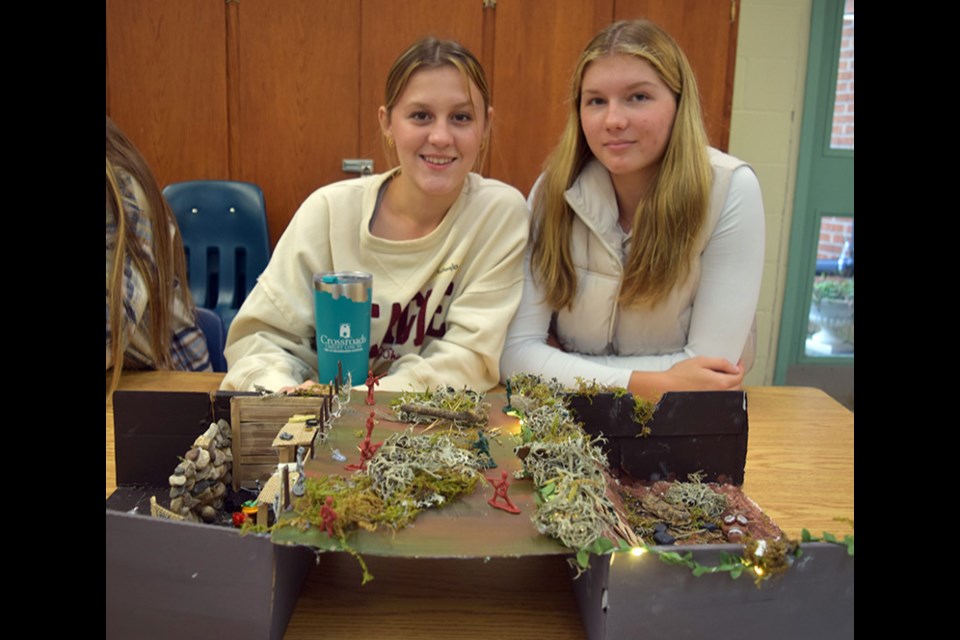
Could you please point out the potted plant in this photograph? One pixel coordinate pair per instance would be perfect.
(832, 310)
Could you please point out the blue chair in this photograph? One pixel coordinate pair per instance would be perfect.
(215, 332)
(224, 229)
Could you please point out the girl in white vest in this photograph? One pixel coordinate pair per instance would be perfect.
(646, 253)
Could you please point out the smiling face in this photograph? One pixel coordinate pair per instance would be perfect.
(438, 127)
(627, 114)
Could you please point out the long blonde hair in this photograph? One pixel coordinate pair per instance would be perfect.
(670, 215)
(167, 267)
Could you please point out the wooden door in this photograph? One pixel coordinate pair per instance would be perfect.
(167, 84)
(294, 74)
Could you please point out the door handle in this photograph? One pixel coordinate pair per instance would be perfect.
(359, 165)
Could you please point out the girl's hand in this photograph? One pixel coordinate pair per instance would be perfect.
(700, 373)
(705, 374)
(304, 386)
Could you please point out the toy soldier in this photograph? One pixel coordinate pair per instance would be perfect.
(482, 447)
(328, 516)
(372, 381)
(500, 491)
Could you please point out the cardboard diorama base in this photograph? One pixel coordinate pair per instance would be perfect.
(164, 575)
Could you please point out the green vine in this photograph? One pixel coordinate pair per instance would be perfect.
(847, 540)
(601, 546)
(765, 559)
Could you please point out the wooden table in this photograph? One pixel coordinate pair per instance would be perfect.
(799, 469)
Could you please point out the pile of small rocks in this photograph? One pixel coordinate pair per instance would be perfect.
(198, 485)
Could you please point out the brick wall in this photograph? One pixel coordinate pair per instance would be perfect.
(842, 137)
(833, 233)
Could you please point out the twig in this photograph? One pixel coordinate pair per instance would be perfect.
(467, 417)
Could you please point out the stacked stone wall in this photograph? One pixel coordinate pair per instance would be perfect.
(198, 485)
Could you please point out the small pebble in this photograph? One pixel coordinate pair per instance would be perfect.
(203, 459)
(659, 527)
(761, 548)
(201, 486)
(662, 537)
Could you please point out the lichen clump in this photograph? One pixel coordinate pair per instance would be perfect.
(408, 474)
(696, 497)
(689, 510)
(566, 466)
(426, 470)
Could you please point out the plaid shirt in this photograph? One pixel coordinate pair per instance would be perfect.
(188, 345)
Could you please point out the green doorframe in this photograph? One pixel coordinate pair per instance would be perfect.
(824, 187)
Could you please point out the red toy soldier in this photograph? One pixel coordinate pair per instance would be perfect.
(327, 516)
(372, 381)
(500, 491)
(367, 450)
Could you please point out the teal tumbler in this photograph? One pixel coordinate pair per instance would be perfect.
(342, 302)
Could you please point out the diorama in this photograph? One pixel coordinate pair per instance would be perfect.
(231, 495)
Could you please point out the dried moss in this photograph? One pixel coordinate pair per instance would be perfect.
(446, 399)
(567, 467)
(772, 557)
(697, 498)
(408, 474)
(536, 389)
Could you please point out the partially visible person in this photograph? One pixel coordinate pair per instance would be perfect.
(150, 320)
(444, 245)
(647, 245)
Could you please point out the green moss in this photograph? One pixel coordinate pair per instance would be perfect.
(408, 474)
(642, 414)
